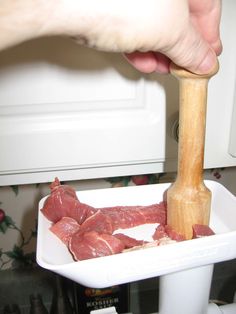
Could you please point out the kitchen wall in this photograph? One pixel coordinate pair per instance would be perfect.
(19, 205)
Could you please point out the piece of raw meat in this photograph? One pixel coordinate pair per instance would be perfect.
(89, 232)
(173, 234)
(159, 233)
(128, 241)
(63, 202)
(93, 244)
(167, 232)
(200, 231)
(107, 220)
(131, 216)
(98, 222)
(65, 228)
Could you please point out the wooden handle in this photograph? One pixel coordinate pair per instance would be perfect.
(188, 199)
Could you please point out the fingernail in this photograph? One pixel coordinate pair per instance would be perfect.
(207, 64)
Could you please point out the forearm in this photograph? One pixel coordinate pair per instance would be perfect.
(121, 25)
(111, 25)
(174, 28)
(22, 20)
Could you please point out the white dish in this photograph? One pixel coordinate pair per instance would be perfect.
(131, 266)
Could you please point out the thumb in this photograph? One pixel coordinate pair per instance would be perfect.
(193, 52)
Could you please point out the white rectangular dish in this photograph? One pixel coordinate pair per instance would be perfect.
(140, 264)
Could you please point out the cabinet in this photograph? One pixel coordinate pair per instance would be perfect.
(75, 113)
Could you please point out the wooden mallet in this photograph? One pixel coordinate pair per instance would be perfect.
(188, 199)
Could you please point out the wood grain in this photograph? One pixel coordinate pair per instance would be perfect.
(188, 199)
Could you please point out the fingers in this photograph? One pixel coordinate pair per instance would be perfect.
(143, 61)
(149, 62)
(191, 51)
(217, 47)
(206, 64)
(205, 16)
(163, 63)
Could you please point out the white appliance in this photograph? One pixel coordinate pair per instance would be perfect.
(185, 268)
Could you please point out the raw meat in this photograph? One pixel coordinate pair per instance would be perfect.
(200, 231)
(93, 244)
(128, 241)
(89, 232)
(64, 229)
(131, 216)
(167, 232)
(173, 234)
(63, 202)
(159, 233)
(98, 222)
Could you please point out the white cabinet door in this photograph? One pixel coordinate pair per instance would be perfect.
(221, 98)
(75, 113)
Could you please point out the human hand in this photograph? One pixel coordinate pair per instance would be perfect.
(186, 32)
(203, 44)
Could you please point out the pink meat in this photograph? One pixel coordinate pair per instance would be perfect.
(200, 231)
(131, 216)
(128, 241)
(63, 202)
(167, 232)
(68, 189)
(160, 233)
(173, 234)
(65, 228)
(92, 244)
(98, 222)
(88, 231)
(124, 217)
